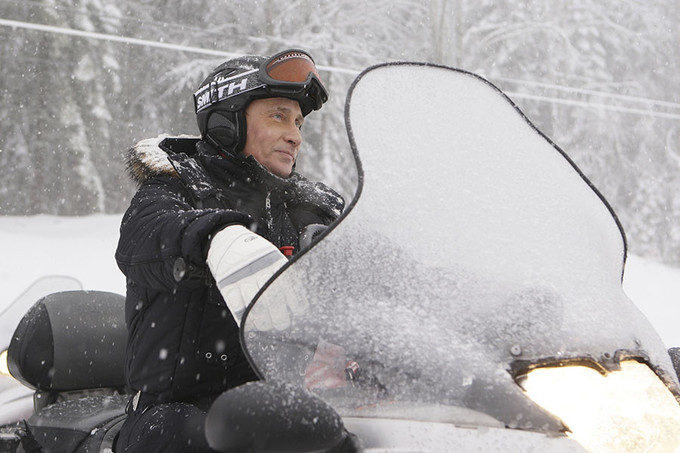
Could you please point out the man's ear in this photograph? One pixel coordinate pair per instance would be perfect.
(221, 130)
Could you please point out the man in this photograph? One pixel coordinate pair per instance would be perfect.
(203, 234)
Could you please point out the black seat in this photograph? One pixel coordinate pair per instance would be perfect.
(70, 348)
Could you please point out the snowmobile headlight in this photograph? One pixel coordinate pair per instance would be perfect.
(4, 369)
(630, 410)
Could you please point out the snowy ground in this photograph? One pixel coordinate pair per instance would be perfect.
(83, 247)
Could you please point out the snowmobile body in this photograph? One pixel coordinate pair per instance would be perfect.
(474, 254)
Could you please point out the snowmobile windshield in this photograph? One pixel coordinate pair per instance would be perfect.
(475, 251)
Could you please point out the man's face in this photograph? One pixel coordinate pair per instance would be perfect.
(273, 133)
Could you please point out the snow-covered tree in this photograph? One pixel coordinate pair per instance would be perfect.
(600, 77)
(587, 72)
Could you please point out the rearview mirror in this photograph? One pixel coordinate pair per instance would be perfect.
(268, 416)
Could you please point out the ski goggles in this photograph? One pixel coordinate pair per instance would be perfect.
(293, 74)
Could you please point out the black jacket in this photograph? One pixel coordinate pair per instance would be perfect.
(183, 343)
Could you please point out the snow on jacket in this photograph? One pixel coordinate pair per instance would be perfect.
(183, 343)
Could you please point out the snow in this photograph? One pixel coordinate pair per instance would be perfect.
(84, 247)
(80, 247)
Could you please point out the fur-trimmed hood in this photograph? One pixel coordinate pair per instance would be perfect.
(148, 158)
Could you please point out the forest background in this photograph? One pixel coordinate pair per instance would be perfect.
(81, 81)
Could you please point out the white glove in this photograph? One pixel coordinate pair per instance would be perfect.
(242, 262)
(279, 312)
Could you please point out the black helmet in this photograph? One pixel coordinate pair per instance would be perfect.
(221, 100)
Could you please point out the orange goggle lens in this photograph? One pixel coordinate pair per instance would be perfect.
(292, 66)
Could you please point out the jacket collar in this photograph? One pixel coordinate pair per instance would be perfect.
(179, 157)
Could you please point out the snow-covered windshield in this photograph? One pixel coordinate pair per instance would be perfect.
(475, 248)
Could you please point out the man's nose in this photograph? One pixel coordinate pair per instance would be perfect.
(293, 135)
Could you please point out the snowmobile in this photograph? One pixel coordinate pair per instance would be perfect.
(469, 299)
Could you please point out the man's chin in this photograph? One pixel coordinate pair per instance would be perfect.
(282, 171)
